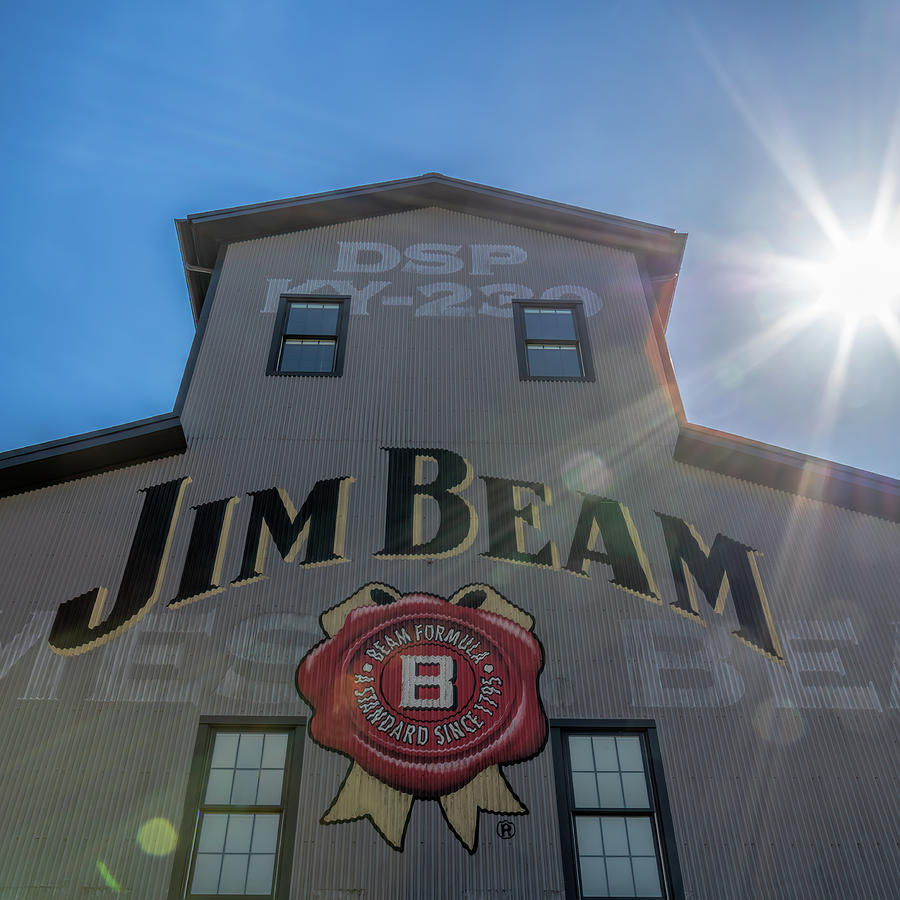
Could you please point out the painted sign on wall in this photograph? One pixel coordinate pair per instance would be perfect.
(604, 534)
(448, 297)
(428, 698)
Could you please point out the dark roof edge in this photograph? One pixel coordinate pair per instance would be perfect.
(418, 181)
(39, 465)
(787, 470)
(201, 234)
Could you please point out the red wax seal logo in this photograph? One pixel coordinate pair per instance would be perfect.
(428, 697)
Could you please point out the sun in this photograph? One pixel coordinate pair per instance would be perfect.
(860, 281)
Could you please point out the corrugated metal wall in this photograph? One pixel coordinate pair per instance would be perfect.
(783, 781)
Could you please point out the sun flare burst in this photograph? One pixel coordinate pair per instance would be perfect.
(860, 281)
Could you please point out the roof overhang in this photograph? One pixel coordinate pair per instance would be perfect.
(787, 470)
(39, 465)
(201, 235)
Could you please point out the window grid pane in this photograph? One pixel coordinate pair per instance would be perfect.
(307, 355)
(235, 852)
(544, 324)
(616, 777)
(254, 776)
(617, 854)
(311, 318)
(554, 360)
(309, 337)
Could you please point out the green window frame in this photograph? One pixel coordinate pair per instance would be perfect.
(552, 341)
(615, 823)
(310, 336)
(240, 815)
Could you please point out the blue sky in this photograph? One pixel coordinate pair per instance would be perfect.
(745, 125)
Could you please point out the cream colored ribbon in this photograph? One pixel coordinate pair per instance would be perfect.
(364, 796)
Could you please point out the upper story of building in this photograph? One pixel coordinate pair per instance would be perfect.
(434, 310)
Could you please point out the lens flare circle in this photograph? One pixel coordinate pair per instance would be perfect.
(157, 837)
(107, 877)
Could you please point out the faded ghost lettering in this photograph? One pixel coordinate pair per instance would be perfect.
(262, 652)
(19, 644)
(486, 256)
(428, 259)
(154, 662)
(592, 303)
(366, 256)
(815, 661)
(425, 258)
(672, 667)
(359, 296)
(433, 259)
(505, 294)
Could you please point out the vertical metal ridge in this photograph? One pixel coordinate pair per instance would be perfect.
(780, 778)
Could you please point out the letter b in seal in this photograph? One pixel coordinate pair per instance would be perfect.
(413, 681)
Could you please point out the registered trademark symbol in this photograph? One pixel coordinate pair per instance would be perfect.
(505, 829)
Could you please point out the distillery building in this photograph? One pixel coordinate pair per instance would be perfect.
(426, 589)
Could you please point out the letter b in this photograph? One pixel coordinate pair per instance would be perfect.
(413, 681)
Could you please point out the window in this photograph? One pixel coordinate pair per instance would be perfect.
(241, 811)
(614, 818)
(551, 340)
(310, 334)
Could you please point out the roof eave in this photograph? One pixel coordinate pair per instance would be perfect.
(54, 462)
(200, 235)
(788, 470)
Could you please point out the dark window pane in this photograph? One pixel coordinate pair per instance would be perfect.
(584, 785)
(615, 841)
(269, 791)
(549, 324)
(630, 757)
(307, 356)
(555, 360)
(275, 750)
(619, 877)
(593, 877)
(246, 782)
(212, 833)
(225, 750)
(640, 836)
(312, 318)
(259, 874)
(265, 834)
(605, 753)
(590, 837)
(218, 789)
(237, 837)
(635, 786)
(250, 751)
(610, 790)
(234, 873)
(580, 754)
(206, 873)
(646, 876)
